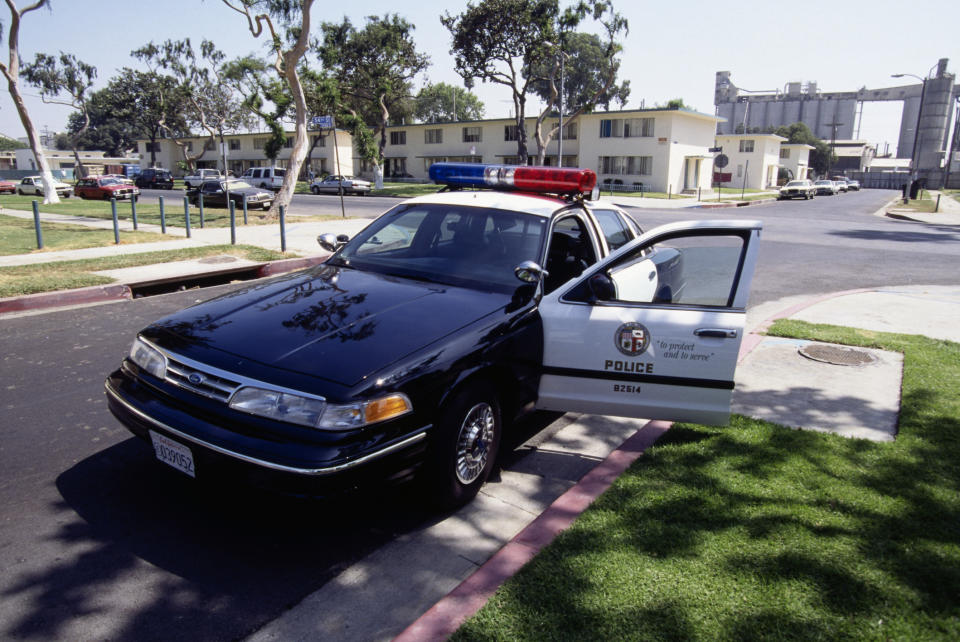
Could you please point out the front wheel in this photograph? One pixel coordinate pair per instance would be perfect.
(466, 445)
(315, 190)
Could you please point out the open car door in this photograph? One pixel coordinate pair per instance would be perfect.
(654, 329)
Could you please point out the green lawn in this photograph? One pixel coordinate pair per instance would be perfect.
(18, 236)
(67, 275)
(754, 531)
(146, 213)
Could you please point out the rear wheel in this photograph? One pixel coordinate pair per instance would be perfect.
(465, 449)
(315, 190)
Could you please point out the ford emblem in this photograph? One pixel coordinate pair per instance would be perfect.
(196, 378)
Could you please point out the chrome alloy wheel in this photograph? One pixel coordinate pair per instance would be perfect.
(476, 433)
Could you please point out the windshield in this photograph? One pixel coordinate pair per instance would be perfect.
(238, 184)
(796, 184)
(466, 246)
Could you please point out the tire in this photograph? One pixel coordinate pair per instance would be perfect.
(315, 190)
(20, 192)
(464, 450)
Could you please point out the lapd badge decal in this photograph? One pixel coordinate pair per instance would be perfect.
(632, 339)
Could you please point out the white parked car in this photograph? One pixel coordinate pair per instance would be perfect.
(333, 183)
(826, 187)
(34, 185)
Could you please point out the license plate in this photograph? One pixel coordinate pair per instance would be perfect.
(172, 453)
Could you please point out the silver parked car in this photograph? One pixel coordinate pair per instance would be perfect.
(333, 184)
(825, 187)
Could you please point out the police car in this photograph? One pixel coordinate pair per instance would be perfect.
(420, 340)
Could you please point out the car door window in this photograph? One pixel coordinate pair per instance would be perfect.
(570, 252)
(615, 231)
(692, 270)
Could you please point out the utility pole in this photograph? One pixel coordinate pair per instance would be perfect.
(833, 142)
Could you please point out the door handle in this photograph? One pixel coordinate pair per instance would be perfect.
(718, 333)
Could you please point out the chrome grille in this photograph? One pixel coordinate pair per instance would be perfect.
(199, 381)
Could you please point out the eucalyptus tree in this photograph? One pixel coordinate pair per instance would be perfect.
(64, 80)
(11, 71)
(287, 25)
(442, 102)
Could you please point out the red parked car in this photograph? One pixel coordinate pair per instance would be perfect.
(7, 187)
(105, 187)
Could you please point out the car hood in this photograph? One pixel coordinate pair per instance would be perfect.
(338, 324)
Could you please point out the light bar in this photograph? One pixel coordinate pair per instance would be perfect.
(547, 180)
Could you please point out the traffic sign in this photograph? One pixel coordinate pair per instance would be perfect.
(721, 161)
(714, 150)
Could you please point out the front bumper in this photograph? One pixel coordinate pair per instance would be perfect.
(266, 461)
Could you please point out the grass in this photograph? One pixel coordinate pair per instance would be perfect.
(18, 236)
(924, 204)
(754, 531)
(67, 275)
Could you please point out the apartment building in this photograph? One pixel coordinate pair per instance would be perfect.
(246, 150)
(755, 160)
(659, 149)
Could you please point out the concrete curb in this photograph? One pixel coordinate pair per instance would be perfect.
(449, 613)
(116, 292)
(713, 206)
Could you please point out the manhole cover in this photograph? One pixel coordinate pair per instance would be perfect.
(223, 258)
(837, 355)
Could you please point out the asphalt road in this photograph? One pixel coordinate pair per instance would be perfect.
(98, 541)
(302, 204)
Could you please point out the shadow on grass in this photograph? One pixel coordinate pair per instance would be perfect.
(757, 532)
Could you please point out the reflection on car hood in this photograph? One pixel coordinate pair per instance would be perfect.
(338, 324)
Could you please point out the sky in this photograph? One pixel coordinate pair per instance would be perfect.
(673, 50)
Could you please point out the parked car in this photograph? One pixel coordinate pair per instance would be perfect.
(154, 178)
(826, 187)
(419, 342)
(797, 189)
(105, 187)
(197, 178)
(120, 178)
(853, 186)
(332, 185)
(265, 177)
(215, 194)
(34, 185)
(841, 184)
(8, 187)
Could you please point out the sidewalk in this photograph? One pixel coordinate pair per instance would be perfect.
(948, 214)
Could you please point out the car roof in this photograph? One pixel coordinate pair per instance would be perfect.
(537, 204)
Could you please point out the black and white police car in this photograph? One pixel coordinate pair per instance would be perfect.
(425, 336)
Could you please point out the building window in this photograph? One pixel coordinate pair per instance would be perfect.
(208, 145)
(635, 127)
(288, 142)
(319, 141)
(746, 145)
(611, 127)
(152, 147)
(511, 132)
(398, 138)
(260, 143)
(188, 145)
(784, 152)
(739, 171)
(472, 134)
(432, 136)
(234, 144)
(630, 165)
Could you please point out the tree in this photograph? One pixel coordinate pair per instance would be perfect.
(822, 157)
(11, 71)
(374, 67)
(250, 77)
(196, 83)
(64, 80)
(674, 103)
(440, 102)
(8, 144)
(499, 41)
(294, 16)
(594, 65)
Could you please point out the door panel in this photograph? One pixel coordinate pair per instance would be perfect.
(664, 347)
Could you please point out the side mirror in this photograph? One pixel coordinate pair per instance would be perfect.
(330, 242)
(601, 287)
(529, 272)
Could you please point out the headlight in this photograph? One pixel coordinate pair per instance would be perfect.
(316, 413)
(148, 358)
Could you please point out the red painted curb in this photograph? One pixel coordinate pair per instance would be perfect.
(289, 265)
(449, 613)
(94, 294)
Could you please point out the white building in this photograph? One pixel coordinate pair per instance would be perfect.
(795, 158)
(246, 150)
(94, 162)
(754, 157)
(664, 150)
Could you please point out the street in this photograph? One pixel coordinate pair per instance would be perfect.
(99, 541)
